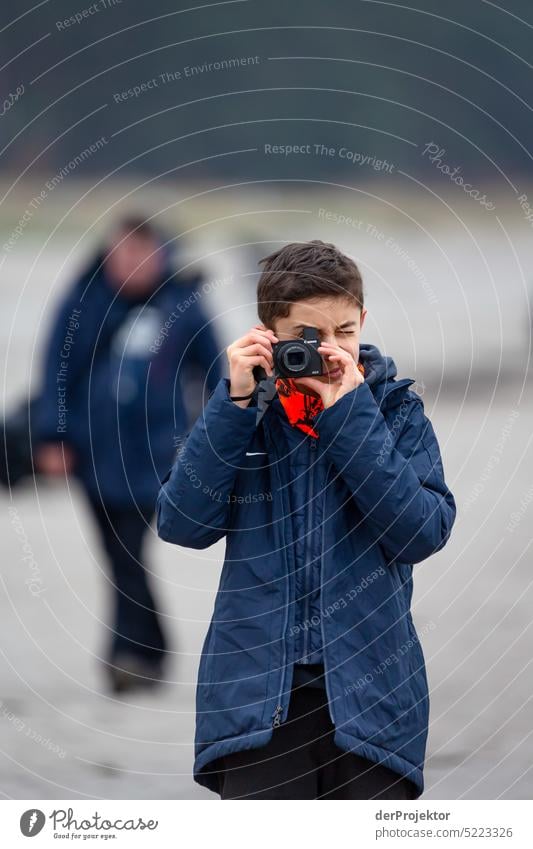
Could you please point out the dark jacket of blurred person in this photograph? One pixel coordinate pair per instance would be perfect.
(111, 392)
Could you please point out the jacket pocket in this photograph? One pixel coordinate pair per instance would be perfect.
(205, 671)
(418, 664)
(419, 681)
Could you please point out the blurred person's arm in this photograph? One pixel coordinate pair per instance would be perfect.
(53, 454)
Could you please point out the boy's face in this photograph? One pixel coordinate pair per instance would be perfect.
(339, 321)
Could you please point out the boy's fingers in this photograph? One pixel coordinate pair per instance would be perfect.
(337, 353)
(260, 340)
(254, 339)
(254, 348)
(312, 383)
(258, 360)
(327, 347)
(256, 334)
(265, 330)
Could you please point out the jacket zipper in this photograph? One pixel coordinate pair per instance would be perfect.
(276, 721)
(276, 716)
(308, 551)
(326, 674)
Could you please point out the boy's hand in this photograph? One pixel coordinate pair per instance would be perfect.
(342, 375)
(253, 349)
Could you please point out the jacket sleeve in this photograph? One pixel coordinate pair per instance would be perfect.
(396, 481)
(193, 505)
(56, 376)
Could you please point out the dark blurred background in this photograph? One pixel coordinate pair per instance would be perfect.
(400, 75)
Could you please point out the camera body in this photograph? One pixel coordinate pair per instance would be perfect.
(296, 357)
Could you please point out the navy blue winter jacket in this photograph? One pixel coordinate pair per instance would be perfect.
(385, 506)
(111, 381)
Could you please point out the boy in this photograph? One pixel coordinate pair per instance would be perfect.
(311, 681)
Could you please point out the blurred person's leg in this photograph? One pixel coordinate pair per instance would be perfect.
(138, 642)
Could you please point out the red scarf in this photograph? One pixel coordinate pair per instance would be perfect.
(299, 407)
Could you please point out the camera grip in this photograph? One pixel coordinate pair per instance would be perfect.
(259, 373)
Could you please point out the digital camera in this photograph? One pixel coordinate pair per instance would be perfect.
(295, 358)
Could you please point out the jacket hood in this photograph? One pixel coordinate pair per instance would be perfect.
(380, 374)
(377, 367)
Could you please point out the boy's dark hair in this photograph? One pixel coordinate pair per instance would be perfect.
(305, 270)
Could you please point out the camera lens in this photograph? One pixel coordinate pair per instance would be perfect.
(295, 358)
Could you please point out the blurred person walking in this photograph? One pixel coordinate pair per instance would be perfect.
(111, 411)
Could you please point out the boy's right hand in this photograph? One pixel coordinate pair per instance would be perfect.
(253, 349)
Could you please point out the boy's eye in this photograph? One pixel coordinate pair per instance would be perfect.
(339, 333)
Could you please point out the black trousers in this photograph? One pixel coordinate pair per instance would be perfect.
(136, 627)
(302, 762)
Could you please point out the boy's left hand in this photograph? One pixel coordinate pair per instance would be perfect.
(331, 387)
